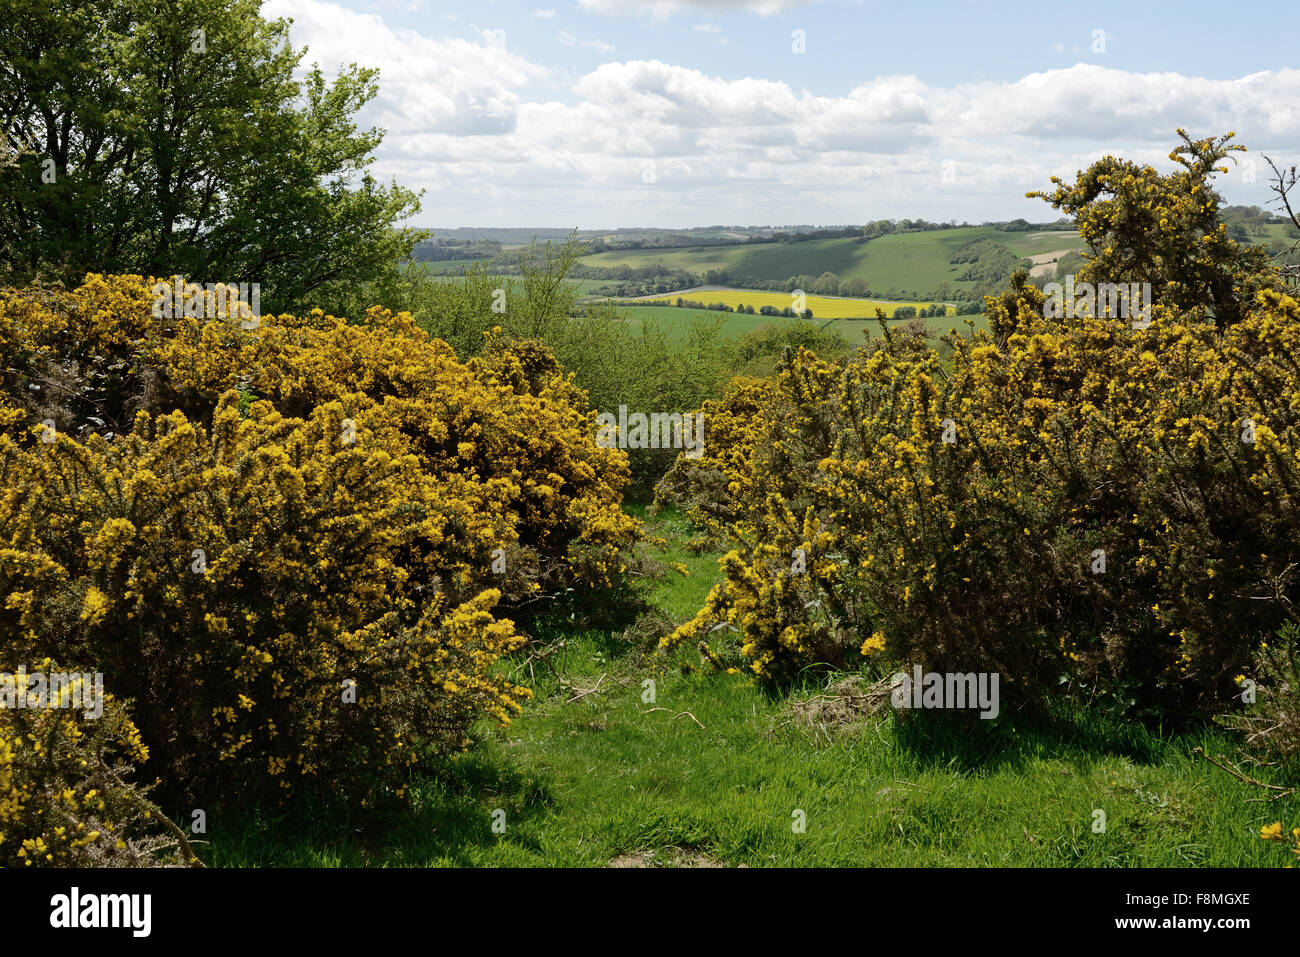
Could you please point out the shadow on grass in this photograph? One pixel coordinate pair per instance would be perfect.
(967, 743)
(611, 644)
(959, 740)
(445, 818)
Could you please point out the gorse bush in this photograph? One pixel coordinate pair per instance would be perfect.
(709, 487)
(1142, 226)
(1271, 722)
(299, 574)
(1065, 501)
(247, 578)
(1087, 501)
(63, 800)
(512, 454)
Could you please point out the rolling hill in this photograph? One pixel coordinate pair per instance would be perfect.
(914, 265)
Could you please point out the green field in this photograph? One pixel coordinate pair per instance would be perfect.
(1280, 232)
(905, 261)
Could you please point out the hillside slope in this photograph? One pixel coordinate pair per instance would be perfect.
(913, 265)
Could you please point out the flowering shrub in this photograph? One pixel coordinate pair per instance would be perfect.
(1084, 500)
(709, 487)
(301, 572)
(247, 588)
(1067, 500)
(63, 798)
(1145, 227)
(508, 437)
(1271, 722)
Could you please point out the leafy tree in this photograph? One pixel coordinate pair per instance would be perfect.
(173, 138)
(855, 287)
(827, 284)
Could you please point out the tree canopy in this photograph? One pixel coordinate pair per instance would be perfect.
(182, 138)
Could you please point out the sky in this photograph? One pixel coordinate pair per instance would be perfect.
(676, 113)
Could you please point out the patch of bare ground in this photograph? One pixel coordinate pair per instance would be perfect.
(668, 857)
(843, 707)
(1045, 263)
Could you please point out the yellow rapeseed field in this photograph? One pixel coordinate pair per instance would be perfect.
(824, 307)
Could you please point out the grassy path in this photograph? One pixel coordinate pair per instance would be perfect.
(590, 775)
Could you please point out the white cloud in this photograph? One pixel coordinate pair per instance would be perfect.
(565, 38)
(474, 124)
(403, 6)
(544, 14)
(450, 85)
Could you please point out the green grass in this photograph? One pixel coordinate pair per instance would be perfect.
(584, 779)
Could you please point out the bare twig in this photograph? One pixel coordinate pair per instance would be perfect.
(1285, 181)
(191, 858)
(687, 714)
(591, 690)
(1237, 773)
